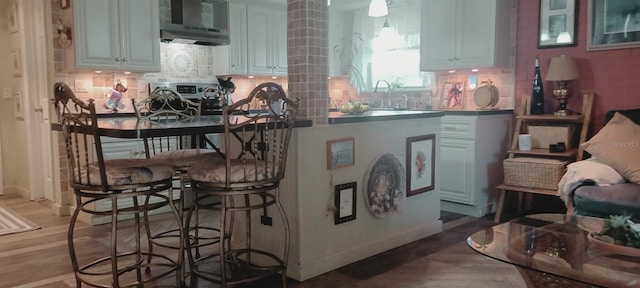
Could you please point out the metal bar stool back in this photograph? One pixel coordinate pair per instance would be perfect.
(257, 132)
(165, 105)
(101, 188)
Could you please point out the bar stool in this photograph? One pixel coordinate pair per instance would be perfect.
(247, 182)
(166, 105)
(114, 181)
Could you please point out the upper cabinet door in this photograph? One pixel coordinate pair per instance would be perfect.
(232, 59)
(97, 34)
(140, 29)
(459, 34)
(437, 36)
(279, 42)
(260, 48)
(238, 37)
(117, 35)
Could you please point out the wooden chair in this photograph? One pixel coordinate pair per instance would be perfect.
(246, 180)
(115, 182)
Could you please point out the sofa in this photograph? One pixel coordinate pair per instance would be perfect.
(610, 179)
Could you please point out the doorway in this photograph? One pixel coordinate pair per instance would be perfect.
(36, 44)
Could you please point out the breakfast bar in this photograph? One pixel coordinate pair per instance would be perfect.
(325, 233)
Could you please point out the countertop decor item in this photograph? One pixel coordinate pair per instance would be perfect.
(353, 108)
(562, 69)
(486, 96)
(452, 94)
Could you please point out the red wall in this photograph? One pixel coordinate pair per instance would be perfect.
(613, 75)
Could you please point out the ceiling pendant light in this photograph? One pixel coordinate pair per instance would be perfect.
(378, 8)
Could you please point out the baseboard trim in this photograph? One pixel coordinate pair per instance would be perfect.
(307, 270)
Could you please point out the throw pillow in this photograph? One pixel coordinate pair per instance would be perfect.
(617, 144)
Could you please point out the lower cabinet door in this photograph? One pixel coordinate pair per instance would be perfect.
(456, 172)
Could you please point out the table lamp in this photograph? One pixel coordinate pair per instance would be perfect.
(562, 69)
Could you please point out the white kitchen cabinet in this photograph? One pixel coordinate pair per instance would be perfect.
(267, 40)
(232, 59)
(117, 35)
(258, 35)
(472, 148)
(459, 34)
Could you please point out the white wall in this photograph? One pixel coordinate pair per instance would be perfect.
(12, 130)
(318, 245)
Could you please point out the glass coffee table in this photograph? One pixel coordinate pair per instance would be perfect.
(557, 244)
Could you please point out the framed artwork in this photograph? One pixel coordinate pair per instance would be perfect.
(17, 105)
(64, 4)
(557, 27)
(384, 183)
(16, 63)
(12, 18)
(452, 94)
(340, 153)
(613, 24)
(421, 151)
(345, 201)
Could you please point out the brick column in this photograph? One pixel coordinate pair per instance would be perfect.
(307, 49)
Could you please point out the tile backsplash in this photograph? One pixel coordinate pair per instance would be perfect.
(179, 63)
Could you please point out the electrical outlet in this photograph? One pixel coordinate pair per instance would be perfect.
(6, 93)
(79, 86)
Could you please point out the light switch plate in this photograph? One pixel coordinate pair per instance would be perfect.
(6, 93)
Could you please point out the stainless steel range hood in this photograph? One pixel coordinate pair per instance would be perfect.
(202, 22)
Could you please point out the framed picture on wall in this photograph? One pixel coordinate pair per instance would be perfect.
(12, 18)
(345, 202)
(340, 153)
(421, 161)
(613, 24)
(557, 26)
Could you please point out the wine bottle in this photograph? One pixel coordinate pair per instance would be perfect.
(537, 95)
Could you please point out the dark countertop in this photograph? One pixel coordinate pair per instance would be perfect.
(130, 127)
(381, 115)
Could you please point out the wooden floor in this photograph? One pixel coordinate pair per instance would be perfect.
(40, 258)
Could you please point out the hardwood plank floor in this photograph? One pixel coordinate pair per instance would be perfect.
(40, 258)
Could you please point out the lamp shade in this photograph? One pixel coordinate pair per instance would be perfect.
(378, 8)
(562, 68)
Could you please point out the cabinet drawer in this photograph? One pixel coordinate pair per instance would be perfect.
(458, 128)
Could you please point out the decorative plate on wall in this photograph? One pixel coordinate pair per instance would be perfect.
(384, 184)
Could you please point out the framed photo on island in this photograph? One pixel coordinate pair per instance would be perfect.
(557, 26)
(345, 202)
(613, 24)
(421, 161)
(340, 153)
(452, 94)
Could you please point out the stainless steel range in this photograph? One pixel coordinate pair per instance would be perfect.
(207, 94)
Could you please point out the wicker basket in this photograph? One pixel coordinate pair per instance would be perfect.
(539, 173)
(542, 136)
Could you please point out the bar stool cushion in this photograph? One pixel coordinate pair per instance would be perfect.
(184, 158)
(213, 171)
(130, 171)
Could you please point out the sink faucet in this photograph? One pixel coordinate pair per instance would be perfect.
(375, 90)
(405, 102)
